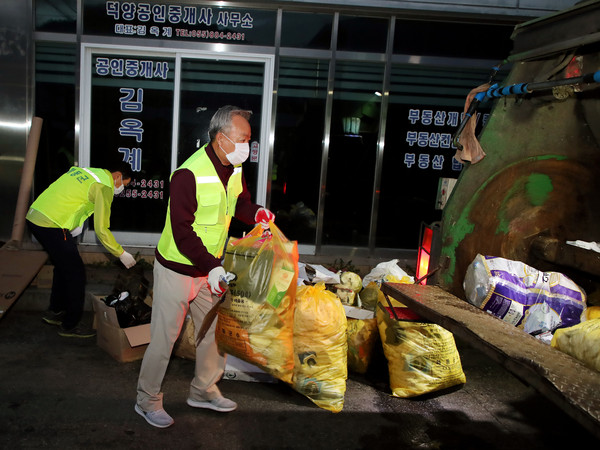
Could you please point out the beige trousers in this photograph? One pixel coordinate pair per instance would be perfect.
(173, 295)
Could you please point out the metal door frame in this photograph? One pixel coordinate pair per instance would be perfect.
(140, 239)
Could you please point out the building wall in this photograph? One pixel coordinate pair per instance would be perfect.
(15, 71)
(22, 44)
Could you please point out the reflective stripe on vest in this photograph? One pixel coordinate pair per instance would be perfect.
(212, 217)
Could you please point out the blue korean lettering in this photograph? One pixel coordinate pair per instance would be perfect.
(146, 68)
(205, 17)
(131, 127)
(190, 15)
(144, 11)
(112, 9)
(128, 11)
(409, 159)
(119, 28)
(411, 137)
(423, 161)
(155, 31)
(434, 140)
(235, 18)
(116, 67)
(427, 117)
(159, 12)
(129, 29)
(445, 140)
(452, 119)
(423, 139)
(141, 30)
(414, 115)
(439, 119)
(223, 18)
(485, 119)
(128, 103)
(161, 69)
(102, 66)
(247, 21)
(78, 174)
(437, 163)
(174, 14)
(456, 165)
(133, 156)
(131, 67)
(167, 31)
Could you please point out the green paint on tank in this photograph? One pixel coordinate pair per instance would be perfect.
(538, 187)
(503, 221)
(461, 227)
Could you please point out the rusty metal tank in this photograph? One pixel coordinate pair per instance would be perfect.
(539, 184)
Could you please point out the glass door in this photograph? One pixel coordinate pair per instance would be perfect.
(152, 110)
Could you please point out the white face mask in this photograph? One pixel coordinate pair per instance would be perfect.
(240, 154)
(119, 189)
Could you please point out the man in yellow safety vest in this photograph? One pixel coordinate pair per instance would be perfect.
(56, 217)
(206, 191)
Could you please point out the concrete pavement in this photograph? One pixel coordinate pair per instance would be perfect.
(68, 393)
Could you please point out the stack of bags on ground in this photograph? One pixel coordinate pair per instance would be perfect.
(307, 326)
(547, 305)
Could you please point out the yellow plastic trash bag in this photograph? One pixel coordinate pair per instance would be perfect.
(581, 341)
(320, 347)
(256, 323)
(362, 336)
(422, 357)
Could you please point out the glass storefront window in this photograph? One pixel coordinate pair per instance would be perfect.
(362, 34)
(58, 16)
(451, 39)
(306, 30)
(55, 104)
(425, 107)
(206, 85)
(298, 146)
(131, 120)
(352, 153)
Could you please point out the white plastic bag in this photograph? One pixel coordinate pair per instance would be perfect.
(387, 271)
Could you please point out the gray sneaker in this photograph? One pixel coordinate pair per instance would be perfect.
(53, 318)
(158, 418)
(220, 404)
(78, 331)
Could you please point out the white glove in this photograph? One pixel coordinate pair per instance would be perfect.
(264, 216)
(214, 278)
(127, 260)
(76, 231)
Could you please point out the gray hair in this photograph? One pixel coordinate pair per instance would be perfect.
(221, 121)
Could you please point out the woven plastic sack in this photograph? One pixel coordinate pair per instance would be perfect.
(256, 323)
(362, 336)
(581, 341)
(522, 295)
(422, 357)
(320, 347)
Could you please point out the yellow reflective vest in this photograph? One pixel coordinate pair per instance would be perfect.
(66, 201)
(216, 207)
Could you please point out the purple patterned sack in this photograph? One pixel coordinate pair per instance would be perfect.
(523, 296)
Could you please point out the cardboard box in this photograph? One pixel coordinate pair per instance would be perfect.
(237, 369)
(123, 344)
(353, 312)
(17, 269)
